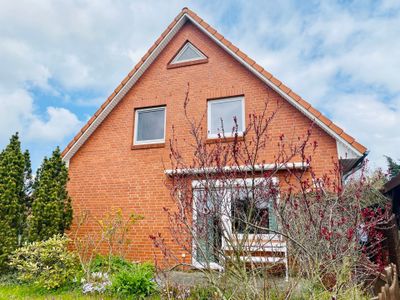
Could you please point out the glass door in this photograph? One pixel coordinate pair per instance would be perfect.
(207, 226)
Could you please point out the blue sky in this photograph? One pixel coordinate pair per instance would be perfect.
(61, 59)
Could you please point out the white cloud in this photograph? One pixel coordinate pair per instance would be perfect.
(18, 114)
(18, 65)
(15, 111)
(60, 123)
(82, 44)
(375, 123)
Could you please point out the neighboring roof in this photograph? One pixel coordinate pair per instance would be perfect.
(392, 184)
(185, 15)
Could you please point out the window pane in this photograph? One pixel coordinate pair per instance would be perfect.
(226, 110)
(150, 125)
(247, 210)
(208, 228)
(188, 53)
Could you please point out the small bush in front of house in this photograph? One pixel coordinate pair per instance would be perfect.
(98, 282)
(47, 264)
(97, 277)
(111, 264)
(135, 280)
(116, 275)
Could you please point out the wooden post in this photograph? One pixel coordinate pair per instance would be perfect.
(391, 290)
(392, 242)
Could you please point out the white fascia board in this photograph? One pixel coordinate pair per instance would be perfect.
(344, 152)
(257, 168)
(277, 89)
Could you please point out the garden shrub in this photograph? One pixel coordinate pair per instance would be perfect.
(135, 280)
(47, 264)
(111, 264)
(98, 282)
(119, 276)
(98, 270)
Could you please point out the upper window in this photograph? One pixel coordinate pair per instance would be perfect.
(224, 115)
(150, 125)
(188, 53)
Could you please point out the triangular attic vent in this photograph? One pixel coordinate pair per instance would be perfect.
(188, 53)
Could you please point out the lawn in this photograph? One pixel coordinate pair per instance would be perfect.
(29, 292)
(12, 291)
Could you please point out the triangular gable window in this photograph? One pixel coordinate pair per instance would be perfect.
(188, 53)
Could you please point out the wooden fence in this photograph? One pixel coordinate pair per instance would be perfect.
(391, 241)
(391, 290)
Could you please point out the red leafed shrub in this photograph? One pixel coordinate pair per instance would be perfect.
(337, 225)
(228, 205)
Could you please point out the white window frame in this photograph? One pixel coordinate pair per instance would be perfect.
(187, 45)
(156, 141)
(226, 133)
(227, 220)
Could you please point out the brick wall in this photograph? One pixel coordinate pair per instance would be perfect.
(107, 173)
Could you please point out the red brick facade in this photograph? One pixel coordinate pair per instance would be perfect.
(107, 172)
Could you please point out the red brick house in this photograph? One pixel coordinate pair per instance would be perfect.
(116, 159)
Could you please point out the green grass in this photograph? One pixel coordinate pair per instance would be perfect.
(14, 292)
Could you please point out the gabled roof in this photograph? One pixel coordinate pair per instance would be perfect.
(185, 15)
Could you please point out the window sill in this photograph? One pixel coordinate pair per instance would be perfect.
(187, 63)
(147, 146)
(224, 139)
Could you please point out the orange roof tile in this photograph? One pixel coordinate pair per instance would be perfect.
(285, 88)
(294, 96)
(359, 147)
(243, 56)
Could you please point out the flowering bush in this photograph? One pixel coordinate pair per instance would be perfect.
(47, 264)
(116, 275)
(98, 283)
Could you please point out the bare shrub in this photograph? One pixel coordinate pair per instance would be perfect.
(336, 225)
(238, 214)
(112, 231)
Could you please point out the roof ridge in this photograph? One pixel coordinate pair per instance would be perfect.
(185, 10)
